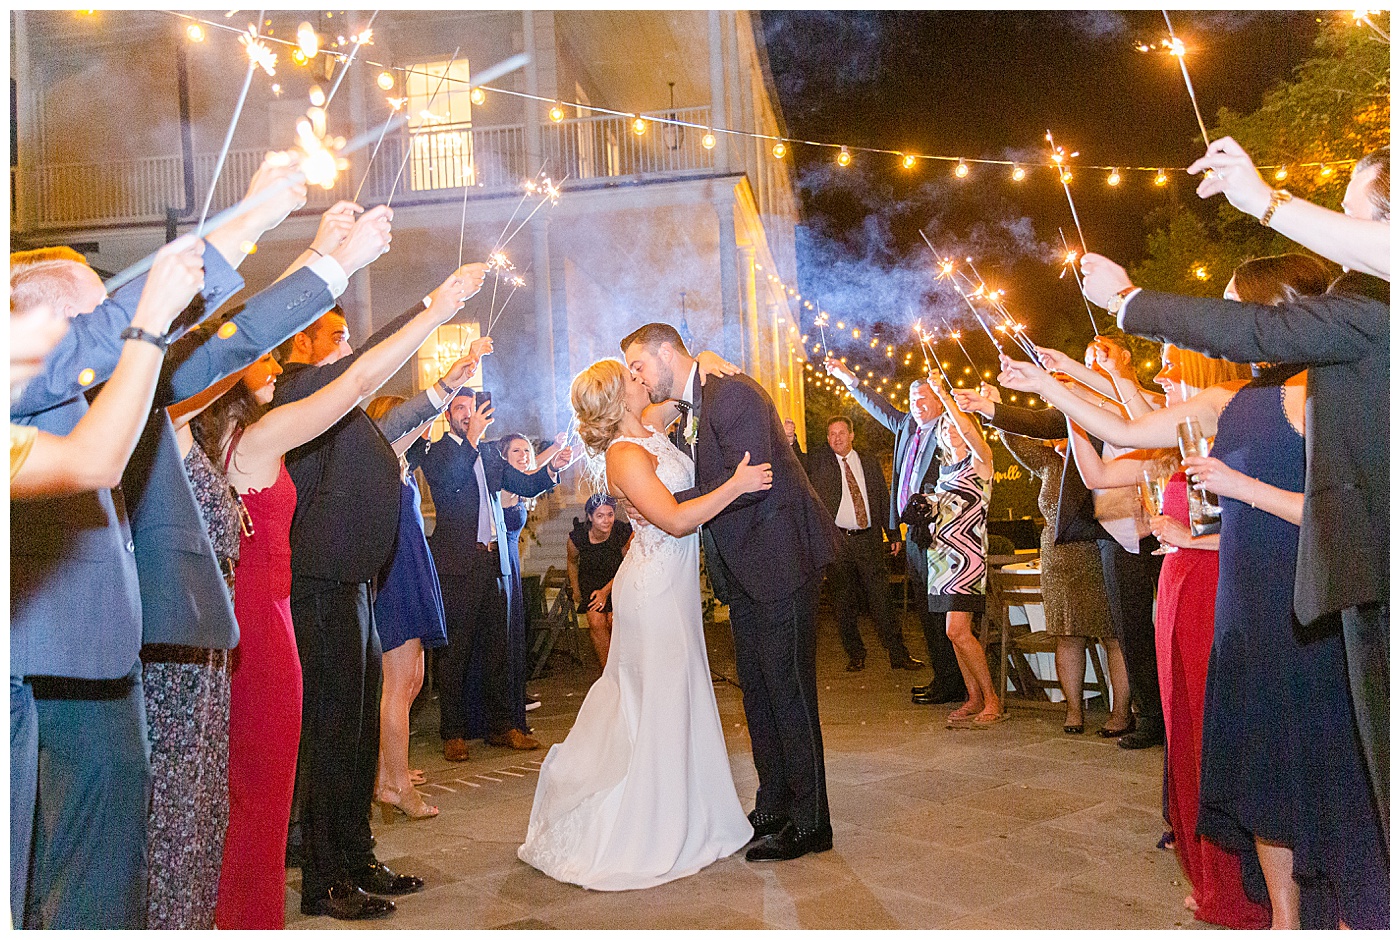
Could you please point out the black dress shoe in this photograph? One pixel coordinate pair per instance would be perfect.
(856, 664)
(906, 662)
(344, 901)
(1137, 740)
(790, 843)
(380, 879)
(766, 824)
(921, 689)
(939, 697)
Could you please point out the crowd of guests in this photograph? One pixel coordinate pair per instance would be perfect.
(221, 588)
(1255, 647)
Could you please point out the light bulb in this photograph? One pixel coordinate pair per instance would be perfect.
(960, 170)
(1281, 174)
(639, 127)
(1114, 178)
(1161, 179)
(556, 113)
(478, 96)
(195, 32)
(318, 96)
(1325, 171)
(708, 141)
(298, 57)
(779, 150)
(844, 157)
(1066, 175)
(1201, 273)
(386, 81)
(308, 43)
(909, 161)
(1018, 173)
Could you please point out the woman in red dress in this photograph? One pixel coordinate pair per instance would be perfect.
(266, 697)
(1185, 630)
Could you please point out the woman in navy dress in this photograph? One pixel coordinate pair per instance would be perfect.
(408, 615)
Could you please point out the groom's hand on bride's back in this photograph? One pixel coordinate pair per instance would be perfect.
(753, 477)
(638, 520)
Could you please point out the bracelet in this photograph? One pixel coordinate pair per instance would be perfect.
(1278, 198)
(155, 339)
(313, 248)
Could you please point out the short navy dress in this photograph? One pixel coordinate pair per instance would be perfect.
(408, 605)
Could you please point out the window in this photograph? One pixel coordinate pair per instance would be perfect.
(440, 126)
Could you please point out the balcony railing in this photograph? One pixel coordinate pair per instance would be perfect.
(442, 160)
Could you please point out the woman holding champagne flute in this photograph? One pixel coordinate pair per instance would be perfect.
(1282, 781)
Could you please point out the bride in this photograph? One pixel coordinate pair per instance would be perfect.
(640, 791)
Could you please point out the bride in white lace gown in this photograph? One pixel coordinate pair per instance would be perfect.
(640, 792)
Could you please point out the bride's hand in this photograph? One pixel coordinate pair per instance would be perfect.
(714, 364)
(753, 478)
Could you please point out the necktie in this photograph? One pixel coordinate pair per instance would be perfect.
(862, 517)
(906, 476)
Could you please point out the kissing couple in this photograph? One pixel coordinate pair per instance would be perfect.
(640, 792)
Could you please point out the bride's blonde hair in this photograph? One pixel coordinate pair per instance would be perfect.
(599, 399)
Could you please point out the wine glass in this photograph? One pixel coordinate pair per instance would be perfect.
(1204, 506)
(1154, 494)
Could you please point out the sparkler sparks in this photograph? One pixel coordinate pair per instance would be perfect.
(1178, 49)
(259, 55)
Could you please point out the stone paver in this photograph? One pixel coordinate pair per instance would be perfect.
(1014, 826)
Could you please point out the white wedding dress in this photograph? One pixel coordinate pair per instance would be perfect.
(640, 792)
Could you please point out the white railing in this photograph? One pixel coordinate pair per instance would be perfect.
(443, 159)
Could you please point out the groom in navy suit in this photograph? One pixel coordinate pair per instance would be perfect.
(765, 554)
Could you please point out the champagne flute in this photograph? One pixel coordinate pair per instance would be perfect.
(1205, 507)
(1154, 494)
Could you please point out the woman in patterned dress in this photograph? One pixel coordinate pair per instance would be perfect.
(957, 559)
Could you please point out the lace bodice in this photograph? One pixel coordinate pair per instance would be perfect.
(676, 472)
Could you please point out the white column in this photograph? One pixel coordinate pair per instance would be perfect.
(730, 304)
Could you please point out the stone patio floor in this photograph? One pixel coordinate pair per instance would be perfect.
(1013, 826)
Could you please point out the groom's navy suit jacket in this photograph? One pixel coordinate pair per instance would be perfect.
(774, 541)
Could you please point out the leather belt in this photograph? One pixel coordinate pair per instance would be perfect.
(491, 547)
(184, 655)
(854, 531)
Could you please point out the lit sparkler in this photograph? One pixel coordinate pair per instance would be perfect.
(1057, 154)
(1178, 49)
(258, 55)
(1071, 257)
(364, 38)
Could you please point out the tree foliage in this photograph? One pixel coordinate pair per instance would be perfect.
(1335, 107)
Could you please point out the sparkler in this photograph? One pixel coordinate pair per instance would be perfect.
(923, 346)
(258, 55)
(1070, 258)
(946, 269)
(394, 105)
(1057, 154)
(926, 340)
(516, 282)
(1178, 49)
(821, 322)
(551, 193)
(957, 338)
(365, 36)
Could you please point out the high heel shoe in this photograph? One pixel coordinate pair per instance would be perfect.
(411, 805)
(1129, 728)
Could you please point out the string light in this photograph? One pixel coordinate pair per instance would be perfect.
(318, 96)
(961, 170)
(1114, 178)
(1201, 273)
(1161, 178)
(478, 97)
(639, 126)
(708, 141)
(1281, 174)
(908, 161)
(308, 43)
(1066, 175)
(844, 157)
(195, 32)
(556, 113)
(386, 81)
(1018, 173)
(298, 57)
(779, 150)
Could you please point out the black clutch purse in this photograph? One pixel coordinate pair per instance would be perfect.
(918, 516)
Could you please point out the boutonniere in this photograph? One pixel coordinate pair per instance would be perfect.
(692, 428)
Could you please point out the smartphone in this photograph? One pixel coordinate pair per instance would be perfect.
(483, 398)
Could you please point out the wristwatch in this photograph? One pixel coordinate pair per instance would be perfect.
(155, 339)
(446, 390)
(1278, 198)
(1115, 303)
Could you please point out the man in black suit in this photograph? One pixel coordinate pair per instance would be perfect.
(343, 532)
(915, 466)
(1344, 339)
(473, 567)
(765, 554)
(854, 491)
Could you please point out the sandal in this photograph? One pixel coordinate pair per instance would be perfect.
(963, 713)
(986, 721)
(410, 804)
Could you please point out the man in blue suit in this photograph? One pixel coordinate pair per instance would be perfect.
(118, 552)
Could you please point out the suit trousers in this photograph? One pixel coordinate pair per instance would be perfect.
(860, 569)
(94, 790)
(775, 653)
(474, 602)
(24, 773)
(1366, 636)
(1131, 581)
(342, 677)
(947, 677)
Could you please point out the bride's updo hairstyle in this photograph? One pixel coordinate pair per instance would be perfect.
(599, 398)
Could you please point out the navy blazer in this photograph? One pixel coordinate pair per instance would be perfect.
(75, 601)
(775, 541)
(450, 470)
(902, 425)
(1344, 339)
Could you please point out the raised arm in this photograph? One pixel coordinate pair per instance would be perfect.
(1100, 474)
(971, 436)
(875, 404)
(632, 473)
(1154, 429)
(94, 454)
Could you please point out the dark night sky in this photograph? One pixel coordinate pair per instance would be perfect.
(989, 84)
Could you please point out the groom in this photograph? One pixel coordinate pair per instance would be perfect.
(765, 555)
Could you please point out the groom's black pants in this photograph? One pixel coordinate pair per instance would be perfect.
(775, 650)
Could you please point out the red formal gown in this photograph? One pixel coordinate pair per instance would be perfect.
(264, 718)
(1185, 631)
